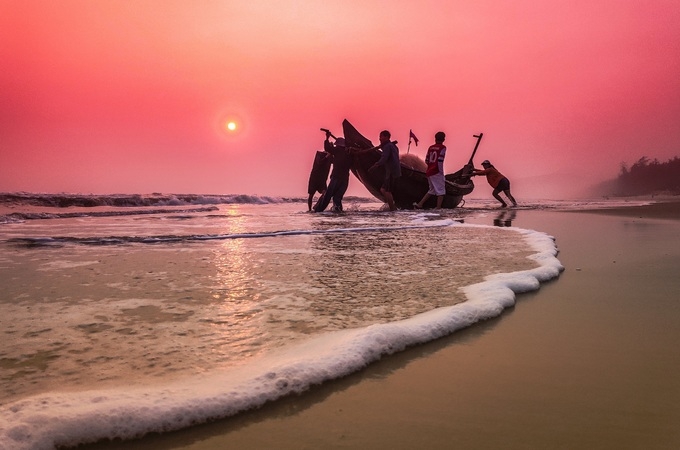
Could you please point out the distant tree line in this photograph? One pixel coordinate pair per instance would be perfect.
(649, 177)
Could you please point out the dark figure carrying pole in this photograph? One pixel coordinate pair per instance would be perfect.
(342, 162)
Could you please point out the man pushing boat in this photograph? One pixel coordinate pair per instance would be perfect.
(390, 161)
(498, 182)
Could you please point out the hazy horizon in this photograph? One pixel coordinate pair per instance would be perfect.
(547, 187)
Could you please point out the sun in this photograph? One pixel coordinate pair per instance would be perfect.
(229, 125)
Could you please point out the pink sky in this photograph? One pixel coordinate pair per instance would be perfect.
(132, 97)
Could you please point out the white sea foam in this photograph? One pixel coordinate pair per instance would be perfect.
(53, 265)
(54, 419)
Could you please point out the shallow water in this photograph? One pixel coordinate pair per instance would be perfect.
(588, 362)
(92, 302)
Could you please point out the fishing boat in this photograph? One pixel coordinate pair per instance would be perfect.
(412, 185)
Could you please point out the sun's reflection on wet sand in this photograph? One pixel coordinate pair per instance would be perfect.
(230, 259)
(236, 315)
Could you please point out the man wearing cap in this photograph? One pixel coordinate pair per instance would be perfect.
(497, 181)
(342, 161)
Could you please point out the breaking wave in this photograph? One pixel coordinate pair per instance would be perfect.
(134, 200)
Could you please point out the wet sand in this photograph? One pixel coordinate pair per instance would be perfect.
(588, 361)
(668, 209)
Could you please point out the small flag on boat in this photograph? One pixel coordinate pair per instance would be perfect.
(412, 136)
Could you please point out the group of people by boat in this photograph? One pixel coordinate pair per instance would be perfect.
(402, 183)
(341, 157)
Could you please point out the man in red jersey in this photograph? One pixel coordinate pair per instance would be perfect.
(435, 171)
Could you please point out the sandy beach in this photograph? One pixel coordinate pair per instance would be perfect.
(588, 361)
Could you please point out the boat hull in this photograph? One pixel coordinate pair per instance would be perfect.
(411, 186)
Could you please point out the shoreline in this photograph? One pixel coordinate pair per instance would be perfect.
(581, 363)
(662, 209)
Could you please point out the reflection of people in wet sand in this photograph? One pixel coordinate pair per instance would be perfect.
(505, 218)
(318, 176)
(498, 182)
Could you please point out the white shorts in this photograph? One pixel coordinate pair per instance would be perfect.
(437, 184)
